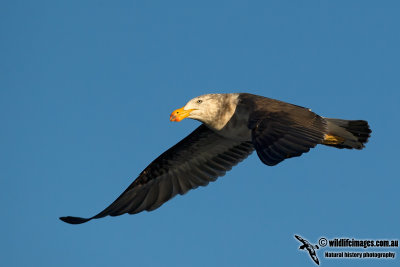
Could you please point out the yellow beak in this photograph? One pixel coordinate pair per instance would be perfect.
(179, 114)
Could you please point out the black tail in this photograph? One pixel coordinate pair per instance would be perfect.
(347, 133)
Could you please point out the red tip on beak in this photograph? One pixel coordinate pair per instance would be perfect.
(179, 114)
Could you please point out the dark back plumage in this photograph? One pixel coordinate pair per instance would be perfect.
(281, 130)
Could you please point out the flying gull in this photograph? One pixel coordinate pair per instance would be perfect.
(310, 248)
(233, 126)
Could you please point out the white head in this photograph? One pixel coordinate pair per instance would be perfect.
(211, 109)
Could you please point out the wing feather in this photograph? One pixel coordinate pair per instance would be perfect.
(281, 135)
(198, 159)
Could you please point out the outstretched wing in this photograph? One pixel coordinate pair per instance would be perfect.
(198, 159)
(315, 258)
(300, 239)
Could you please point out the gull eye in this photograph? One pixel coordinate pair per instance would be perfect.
(199, 101)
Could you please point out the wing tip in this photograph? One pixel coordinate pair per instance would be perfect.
(74, 220)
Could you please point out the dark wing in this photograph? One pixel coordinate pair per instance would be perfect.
(315, 258)
(195, 161)
(287, 133)
(300, 239)
(311, 250)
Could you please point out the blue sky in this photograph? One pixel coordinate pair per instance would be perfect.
(86, 90)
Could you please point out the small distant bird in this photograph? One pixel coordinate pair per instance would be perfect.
(311, 249)
(233, 126)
